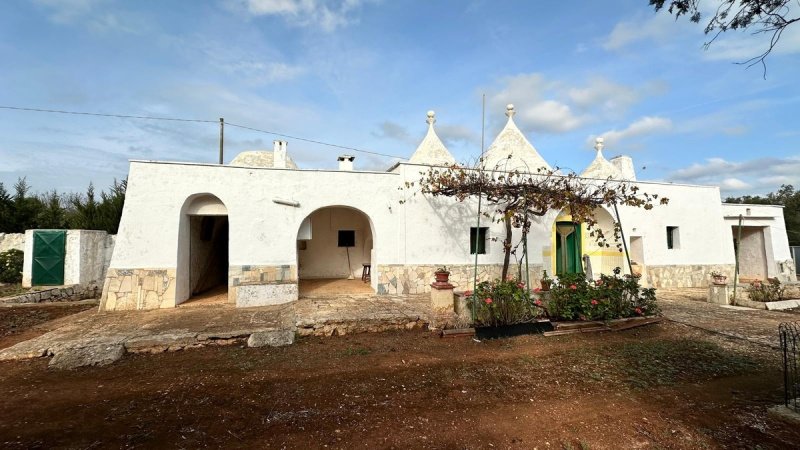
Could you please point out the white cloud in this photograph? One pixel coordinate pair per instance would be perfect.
(554, 107)
(534, 112)
(451, 134)
(639, 28)
(95, 15)
(644, 126)
(755, 176)
(327, 14)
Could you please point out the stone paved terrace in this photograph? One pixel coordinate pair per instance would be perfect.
(154, 330)
(342, 314)
(688, 307)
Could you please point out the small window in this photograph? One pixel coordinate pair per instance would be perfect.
(477, 240)
(347, 238)
(673, 238)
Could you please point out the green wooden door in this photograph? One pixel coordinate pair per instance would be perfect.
(49, 250)
(568, 248)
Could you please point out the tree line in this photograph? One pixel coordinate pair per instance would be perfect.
(22, 210)
(785, 196)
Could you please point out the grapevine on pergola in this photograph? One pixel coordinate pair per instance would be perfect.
(516, 197)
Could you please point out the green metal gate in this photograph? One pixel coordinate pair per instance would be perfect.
(49, 250)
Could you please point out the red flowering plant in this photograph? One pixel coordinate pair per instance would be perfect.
(609, 297)
(504, 302)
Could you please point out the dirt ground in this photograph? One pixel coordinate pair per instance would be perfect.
(20, 323)
(662, 386)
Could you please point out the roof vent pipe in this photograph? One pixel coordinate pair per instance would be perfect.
(279, 154)
(346, 162)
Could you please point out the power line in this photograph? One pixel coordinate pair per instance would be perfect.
(314, 141)
(122, 116)
(175, 119)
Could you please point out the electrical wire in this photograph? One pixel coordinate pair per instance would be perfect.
(314, 141)
(175, 119)
(122, 116)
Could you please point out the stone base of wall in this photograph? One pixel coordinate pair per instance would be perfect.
(60, 294)
(397, 279)
(681, 276)
(251, 285)
(132, 289)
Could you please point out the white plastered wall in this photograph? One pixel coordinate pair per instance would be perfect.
(86, 259)
(770, 219)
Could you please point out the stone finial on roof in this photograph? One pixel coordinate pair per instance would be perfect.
(598, 144)
(431, 150)
(512, 151)
(601, 168)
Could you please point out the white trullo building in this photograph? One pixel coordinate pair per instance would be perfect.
(260, 227)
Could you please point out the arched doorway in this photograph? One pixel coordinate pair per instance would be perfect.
(577, 251)
(334, 244)
(203, 251)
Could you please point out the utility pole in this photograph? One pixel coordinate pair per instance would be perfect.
(221, 138)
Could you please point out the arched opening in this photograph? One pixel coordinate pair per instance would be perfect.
(203, 252)
(577, 251)
(335, 252)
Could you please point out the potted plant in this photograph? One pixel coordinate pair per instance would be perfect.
(546, 281)
(442, 275)
(718, 278)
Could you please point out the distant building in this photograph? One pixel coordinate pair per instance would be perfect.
(259, 227)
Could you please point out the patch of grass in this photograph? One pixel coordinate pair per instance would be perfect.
(7, 290)
(645, 364)
(357, 351)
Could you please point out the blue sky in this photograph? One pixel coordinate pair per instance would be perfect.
(363, 73)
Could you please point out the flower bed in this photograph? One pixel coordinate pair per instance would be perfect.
(572, 297)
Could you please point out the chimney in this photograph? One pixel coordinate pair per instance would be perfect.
(346, 162)
(279, 154)
(625, 166)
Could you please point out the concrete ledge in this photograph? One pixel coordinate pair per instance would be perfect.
(784, 413)
(265, 294)
(783, 304)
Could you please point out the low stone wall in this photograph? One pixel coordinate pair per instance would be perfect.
(131, 289)
(398, 279)
(59, 294)
(262, 285)
(682, 276)
(10, 241)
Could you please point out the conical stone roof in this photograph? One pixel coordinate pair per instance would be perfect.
(601, 168)
(512, 151)
(431, 150)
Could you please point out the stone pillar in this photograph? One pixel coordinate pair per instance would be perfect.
(719, 294)
(442, 304)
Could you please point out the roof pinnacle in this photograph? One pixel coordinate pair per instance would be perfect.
(598, 144)
(510, 110)
(431, 117)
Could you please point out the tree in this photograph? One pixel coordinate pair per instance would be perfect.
(770, 17)
(52, 214)
(517, 197)
(786, 196)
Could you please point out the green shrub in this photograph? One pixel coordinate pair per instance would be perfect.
(572, 297)
(771, 291)
(11, 266)
(504, 303)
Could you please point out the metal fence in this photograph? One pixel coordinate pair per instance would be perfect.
(790, 346)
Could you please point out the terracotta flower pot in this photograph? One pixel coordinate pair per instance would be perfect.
(720, 281)
(442, 277)
(546, 285)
